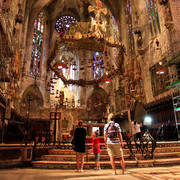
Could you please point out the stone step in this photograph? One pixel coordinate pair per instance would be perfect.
(167, 149)
(104, 151)
(104, 164)
(159, 144)
(105, 157)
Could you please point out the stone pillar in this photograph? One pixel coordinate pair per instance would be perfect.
(83, 94)
(90, 130)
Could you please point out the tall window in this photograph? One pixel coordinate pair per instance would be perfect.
(97, 65)
(115, 35)
(153, 17)
(37, 45)
(63, 23)
(72, 76)
(115, 29)
(130, 27)
(61, 83)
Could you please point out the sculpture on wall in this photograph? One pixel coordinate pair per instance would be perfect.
(168, 16)
(137, 31)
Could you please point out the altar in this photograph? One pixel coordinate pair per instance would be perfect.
(91, 127)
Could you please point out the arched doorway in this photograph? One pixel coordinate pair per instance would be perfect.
(31, 109)
(36, 103)
(97, 103)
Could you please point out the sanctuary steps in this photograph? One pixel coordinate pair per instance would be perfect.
(166, 153)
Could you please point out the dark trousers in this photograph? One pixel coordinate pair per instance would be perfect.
(138, 136)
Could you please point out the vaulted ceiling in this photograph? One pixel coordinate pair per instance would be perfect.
(57, 8)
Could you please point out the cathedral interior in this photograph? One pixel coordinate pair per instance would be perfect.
(67, 60)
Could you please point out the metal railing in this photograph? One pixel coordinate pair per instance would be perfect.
(145, 148)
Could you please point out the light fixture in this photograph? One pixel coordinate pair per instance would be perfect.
(147, 120)
(161, 71)
(107, 80)
(160, 63)
(60, 65)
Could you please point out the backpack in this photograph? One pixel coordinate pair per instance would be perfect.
(112, 131)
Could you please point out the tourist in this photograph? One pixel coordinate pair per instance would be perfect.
(128, 135)
(137, 129)
(114, 142)
(96, 150)
(79, 145)
(133, 130)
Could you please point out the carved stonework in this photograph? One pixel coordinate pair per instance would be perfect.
(137, 31)
(168, 17)
(163, 2)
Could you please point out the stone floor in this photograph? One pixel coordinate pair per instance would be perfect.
(155, 173)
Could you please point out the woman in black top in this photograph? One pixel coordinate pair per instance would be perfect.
(79, 144)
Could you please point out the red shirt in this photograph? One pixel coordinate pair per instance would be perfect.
(96, 148)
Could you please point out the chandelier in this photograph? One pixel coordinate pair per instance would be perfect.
(92, 36)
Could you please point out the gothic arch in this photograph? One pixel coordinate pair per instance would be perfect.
(33, 92)
(97, 103)
(139, 112)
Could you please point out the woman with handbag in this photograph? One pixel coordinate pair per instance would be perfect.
(79, 145)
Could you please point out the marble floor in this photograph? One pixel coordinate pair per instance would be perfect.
(155, 173)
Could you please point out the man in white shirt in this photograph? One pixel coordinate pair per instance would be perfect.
(137, 128)
(133, 130)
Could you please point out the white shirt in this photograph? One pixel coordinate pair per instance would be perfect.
(132, 127)
(137, 128)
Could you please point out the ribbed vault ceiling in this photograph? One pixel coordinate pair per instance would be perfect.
(57, 8)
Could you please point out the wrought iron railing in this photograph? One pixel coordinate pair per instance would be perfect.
(144, 148)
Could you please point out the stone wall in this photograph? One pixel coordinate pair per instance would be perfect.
(175, 10)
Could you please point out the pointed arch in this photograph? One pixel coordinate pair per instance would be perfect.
(97, 103)
(33, 92)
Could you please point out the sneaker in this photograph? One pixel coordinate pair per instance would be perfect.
(98, 168)
(95, 168)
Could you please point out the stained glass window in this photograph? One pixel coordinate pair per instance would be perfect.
(61, 83)
(115, 34)
(97, 65)
(37, 45)
(130, 27)
(115, 29)
(72, 76)
(153, 17)
(63, 23)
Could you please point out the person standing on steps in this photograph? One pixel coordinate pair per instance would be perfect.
(114, 142)
(96, 150)
(137, 128)
(133, 130)
(79, 145)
